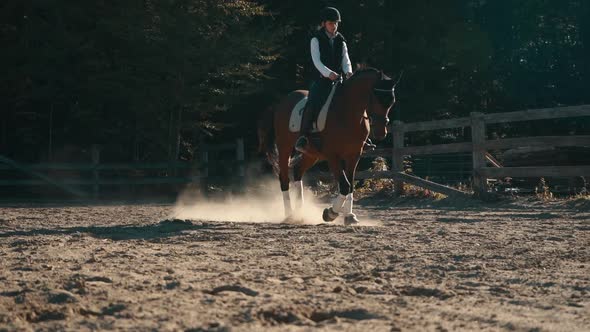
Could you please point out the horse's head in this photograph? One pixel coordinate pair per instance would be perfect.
(381, 99)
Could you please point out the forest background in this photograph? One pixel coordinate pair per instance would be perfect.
(153, 80)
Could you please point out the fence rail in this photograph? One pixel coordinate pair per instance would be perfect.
(480, 145)
(193, 172)
(536, 171)
(100, 167)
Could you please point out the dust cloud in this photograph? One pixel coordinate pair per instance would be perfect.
(261, 203)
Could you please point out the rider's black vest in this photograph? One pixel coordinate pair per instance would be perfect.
(331, 56)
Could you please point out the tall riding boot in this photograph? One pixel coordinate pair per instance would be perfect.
(316, 97)
(306, 128)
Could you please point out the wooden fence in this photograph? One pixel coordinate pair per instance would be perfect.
(479, 147)
(198, 171)
(89, 185)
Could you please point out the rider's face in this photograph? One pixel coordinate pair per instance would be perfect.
(331, 26)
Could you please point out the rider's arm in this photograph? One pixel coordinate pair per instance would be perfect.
(346, 66)
(317, 62)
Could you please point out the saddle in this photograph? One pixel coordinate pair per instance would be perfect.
(320, 122)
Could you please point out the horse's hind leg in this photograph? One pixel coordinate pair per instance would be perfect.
(284, 179)
(298, 171)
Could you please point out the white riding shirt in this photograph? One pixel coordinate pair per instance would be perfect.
(317, 62)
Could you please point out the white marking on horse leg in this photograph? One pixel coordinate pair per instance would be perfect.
(337, 203)
(287, 203)
(347, 208)
(298, 188)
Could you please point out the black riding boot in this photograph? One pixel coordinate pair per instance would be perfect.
(318, 93)
(306, 128)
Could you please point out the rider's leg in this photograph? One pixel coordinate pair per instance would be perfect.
(317, 96)
(307, 120)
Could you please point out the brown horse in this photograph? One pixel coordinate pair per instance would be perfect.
(360, 105)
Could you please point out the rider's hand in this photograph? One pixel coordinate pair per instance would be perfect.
(334, 76)
(348, 75)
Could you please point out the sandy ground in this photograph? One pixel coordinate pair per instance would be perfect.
(412, 265)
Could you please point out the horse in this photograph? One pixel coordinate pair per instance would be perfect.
(359, 107)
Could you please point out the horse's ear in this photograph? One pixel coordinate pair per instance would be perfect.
(384, 77)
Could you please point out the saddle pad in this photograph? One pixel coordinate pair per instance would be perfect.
(297, 114)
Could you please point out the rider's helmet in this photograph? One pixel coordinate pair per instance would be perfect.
(330, 14)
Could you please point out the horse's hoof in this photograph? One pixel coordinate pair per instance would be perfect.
(351, 220)
(329, 215)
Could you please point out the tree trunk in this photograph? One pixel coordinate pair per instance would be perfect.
(584, 26)
(387, 12)
(170, 141)
(178, 133)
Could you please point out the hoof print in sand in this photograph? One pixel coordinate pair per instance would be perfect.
(280, 315)
(232, 288)
(426, 292)
(61, 296)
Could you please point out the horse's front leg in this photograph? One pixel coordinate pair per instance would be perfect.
(344, 186)
(350, 170)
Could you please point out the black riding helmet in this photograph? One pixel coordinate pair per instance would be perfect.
(330, 14)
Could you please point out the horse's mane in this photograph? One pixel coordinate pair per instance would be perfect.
(362, 72)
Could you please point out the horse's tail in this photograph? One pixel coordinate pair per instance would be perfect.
(266, 138)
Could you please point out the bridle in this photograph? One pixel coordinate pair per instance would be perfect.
(377, 118)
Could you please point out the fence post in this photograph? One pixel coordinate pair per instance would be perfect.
(95, 154)
(397, 165)
(478, 138)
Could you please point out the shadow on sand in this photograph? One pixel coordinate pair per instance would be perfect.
(164, 228)
(523, 204)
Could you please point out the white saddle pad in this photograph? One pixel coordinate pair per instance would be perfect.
(297, 114)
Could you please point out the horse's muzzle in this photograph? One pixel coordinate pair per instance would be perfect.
(379, 127)
(380, 133)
